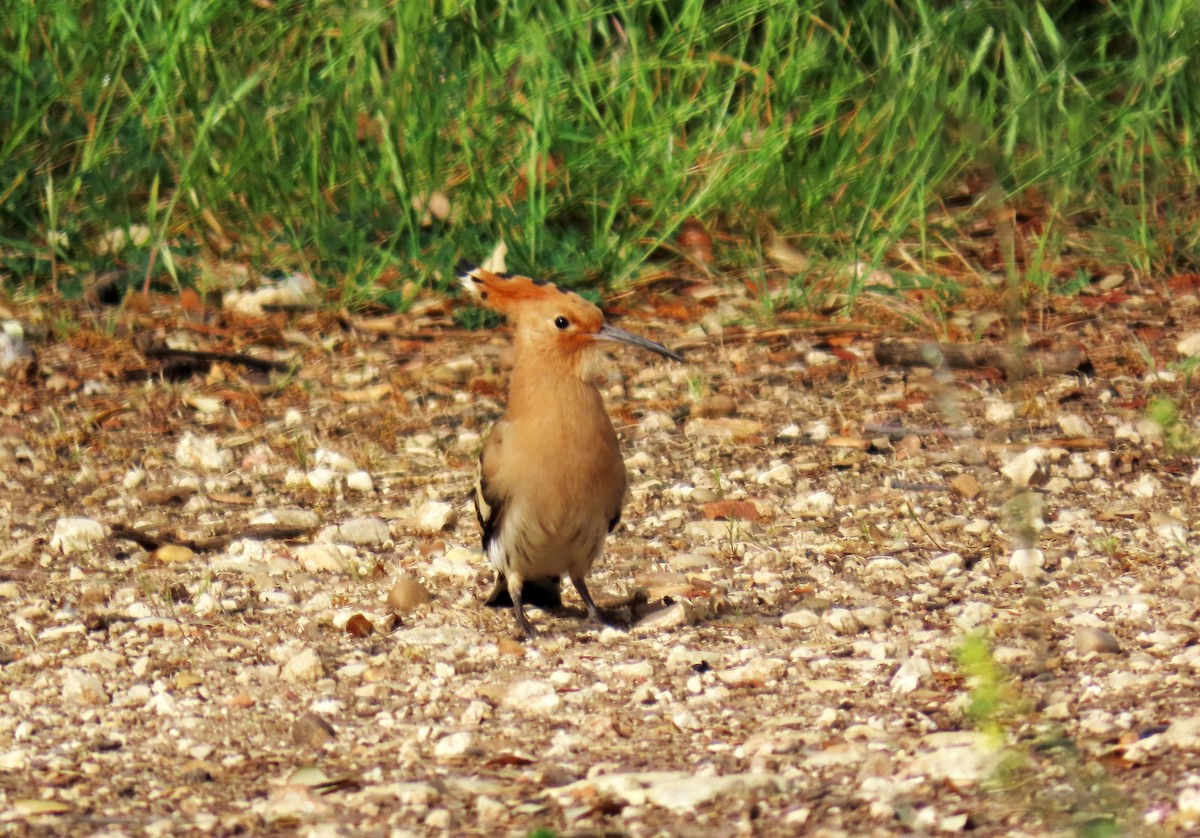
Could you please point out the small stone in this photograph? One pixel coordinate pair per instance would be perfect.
(780, 475)
(911, 674)
(105, 660)
(686, 720)
(1090, 639)
(323, 479)
(1184, 733)
(1079, 469)
(490, 810)
(510, 646)
(1027, 561)
(76, 535)
(17, 358)
(318, 558)
(288, 517)
(723, 430)
(360, 481)
(998, 411)
(439, 820)
(962, 758)
(304, 667)
(815, 505)
(1147, 486)
(363, 531)
(945, 563)
(133, 478)
(803, 618)
(715, 406)
(290, 803)
(173, 554)
(756, 673)
(873, 617)
(531, 696)
(312, 730)
(335, 460)
(674, 616)
(1074, 426)
(434, 516)
(731, 510)
(687, 794)
(1189, 345)
(657, 420)
(1169, 529)
(966, 485)
(639, 671)
(406, 594)
(79, 687)
(842, 621)
(203, 453)
(1024, 469)
(457, 746)
(1188, 801)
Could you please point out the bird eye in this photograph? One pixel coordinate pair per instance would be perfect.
(561, 322)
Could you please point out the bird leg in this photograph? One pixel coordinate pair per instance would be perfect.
(593, 611)
(524, 628)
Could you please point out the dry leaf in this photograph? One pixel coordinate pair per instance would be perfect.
(359, 626)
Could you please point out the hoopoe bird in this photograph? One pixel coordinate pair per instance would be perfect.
(551, 477)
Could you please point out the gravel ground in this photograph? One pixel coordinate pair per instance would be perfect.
(848, 599)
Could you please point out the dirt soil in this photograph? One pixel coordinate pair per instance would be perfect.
(849, 598)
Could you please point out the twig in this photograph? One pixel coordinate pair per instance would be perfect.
(262, 364)
(152, 541)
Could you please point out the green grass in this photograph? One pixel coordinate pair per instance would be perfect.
(306, 135)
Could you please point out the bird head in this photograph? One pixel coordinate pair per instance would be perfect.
(549, 320)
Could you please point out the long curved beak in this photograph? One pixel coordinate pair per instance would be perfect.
(612, 333)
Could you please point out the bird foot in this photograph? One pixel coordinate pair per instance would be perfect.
(526, 631)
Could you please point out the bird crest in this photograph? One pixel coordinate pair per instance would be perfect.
(514, 295)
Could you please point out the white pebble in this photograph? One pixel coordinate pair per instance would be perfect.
(946, 562)
(780, 475)
(1189, 347)
(366, 531)
(360, 481)
(817, 504)
(640, 671)
(456, 746)
(79, 687)
(133, 478)
(531, 697)
(842, 621)
(202, 452)
(1027, 561)
(304, 667)
(1074, 425)
(323, 479)
(435, 516)
(800, 619)
(332, 459)
(999, 411)
(1079, 469)
(1021, 468)
(911, 674)
(75, 535)
(1147, 487)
